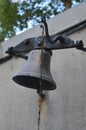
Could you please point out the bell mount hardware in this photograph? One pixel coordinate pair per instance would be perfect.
(40, 49)
(53, 42)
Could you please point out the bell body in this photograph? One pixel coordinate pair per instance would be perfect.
(37, 67)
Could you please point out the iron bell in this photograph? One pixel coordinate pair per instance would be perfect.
(29, 76)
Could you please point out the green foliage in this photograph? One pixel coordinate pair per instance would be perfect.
(8, 17)
(16, 16)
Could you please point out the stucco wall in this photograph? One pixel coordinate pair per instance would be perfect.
(65, 107)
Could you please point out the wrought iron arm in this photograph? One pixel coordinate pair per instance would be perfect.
(51, 43)
(49, 39)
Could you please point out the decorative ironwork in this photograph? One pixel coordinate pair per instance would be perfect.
(50, 43)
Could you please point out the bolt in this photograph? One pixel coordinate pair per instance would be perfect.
(39, 43)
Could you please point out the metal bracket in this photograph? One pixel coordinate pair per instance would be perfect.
(50, 43)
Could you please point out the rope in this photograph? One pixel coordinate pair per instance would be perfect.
(39, 91)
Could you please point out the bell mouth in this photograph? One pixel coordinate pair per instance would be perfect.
(34, 82)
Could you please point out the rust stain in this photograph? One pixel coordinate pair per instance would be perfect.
(42, 101)
(41, 105)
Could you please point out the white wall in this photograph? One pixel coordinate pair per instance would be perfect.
(65, 107)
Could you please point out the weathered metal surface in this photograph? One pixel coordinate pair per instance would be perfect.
(30, 75)
(60, 41)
